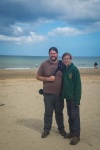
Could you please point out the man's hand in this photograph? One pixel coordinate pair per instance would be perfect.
(41, 78)
(51, 78)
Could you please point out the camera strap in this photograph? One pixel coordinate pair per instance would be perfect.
(58, 67)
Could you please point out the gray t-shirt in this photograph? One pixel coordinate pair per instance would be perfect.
(46, 69)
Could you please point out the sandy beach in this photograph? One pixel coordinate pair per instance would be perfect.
(21, 118)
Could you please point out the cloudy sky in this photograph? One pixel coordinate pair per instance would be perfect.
(31, 27)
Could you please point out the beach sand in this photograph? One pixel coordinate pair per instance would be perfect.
(21, 118)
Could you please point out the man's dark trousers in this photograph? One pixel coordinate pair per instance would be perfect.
(53, 102)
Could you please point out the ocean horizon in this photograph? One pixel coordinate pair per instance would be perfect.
(32, 62)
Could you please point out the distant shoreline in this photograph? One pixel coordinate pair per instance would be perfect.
(38, 67)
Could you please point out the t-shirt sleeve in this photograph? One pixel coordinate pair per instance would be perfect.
(40, 71)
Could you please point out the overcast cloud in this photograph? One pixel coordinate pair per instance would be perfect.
(19, 18)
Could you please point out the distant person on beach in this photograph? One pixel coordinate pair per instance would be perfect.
(72, 93)
(52, 86)
(95, 65)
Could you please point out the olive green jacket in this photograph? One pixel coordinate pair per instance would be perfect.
(71, 84)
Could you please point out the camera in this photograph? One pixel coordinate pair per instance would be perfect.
(41, 91)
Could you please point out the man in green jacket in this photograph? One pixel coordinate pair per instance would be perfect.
(72, 93)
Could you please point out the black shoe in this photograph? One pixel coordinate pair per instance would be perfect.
(45, 134)
(75, 140)
(63, 132)
(69, 135)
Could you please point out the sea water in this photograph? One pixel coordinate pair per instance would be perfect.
(31, 62)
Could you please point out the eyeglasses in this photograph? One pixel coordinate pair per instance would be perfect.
(66, 58)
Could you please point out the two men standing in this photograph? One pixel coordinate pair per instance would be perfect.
(66, 84)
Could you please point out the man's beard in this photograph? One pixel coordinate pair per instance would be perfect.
(53, 59)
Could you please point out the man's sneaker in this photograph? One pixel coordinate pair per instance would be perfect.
(45, 134)
(69, 135)
(63, 132)
(75, 140)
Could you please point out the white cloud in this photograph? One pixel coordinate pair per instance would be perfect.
(32, 38)
(69, 31)
(66, 31)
